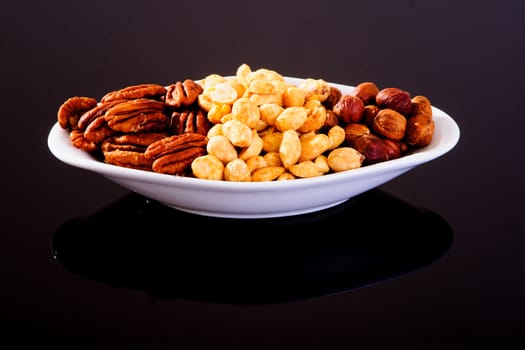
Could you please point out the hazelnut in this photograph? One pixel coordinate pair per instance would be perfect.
(419, 130)
(393, 149)
(421, 105)
(396, 99)
(369, 114)
(372, 147)
(354, 130)
(349, 108)
(390, 124)
(333, 96)
(331, 120)
(366, 91)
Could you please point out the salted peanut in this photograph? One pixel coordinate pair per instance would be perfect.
(316, 117)
(260, 99)
(256, 162)
(305, 169)
(290, 148)
(316, 89)
(269, 112)
(268, 173)
(292, 118)
(273, 159)
(261, 125)
(208, 167)
(294, 96)
(223, 93)
(254, 149)
(322, 163)
(237, 170)
(211, 80)
(264, 74)
(221, 147)
(272, 141)
(336, 136)
(226, 117)
(286, 176)
(217, 111)
(239, 134)
(314, 146)
(268, 130)
(237, 85)
(246, 112)
(242, 73)
(205, 102)
(344, 158)
(216, 129)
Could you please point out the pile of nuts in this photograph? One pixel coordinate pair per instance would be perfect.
(254, 126)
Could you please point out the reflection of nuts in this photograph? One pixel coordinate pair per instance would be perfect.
(372, 147)
(420, 130)
(366, 91)
(390, 124)
(349, 108)
(396, 99)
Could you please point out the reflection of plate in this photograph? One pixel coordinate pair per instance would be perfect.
(261, 199)
(140, 244)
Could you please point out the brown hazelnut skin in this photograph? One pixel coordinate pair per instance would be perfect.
(390, 124)
(421, 105)
(331, 120)
(353, 131)
(419, 131)
(393, 149)
(333, 96)
(372, 147)
(396, 99)
(366, 91)
(369, 114)
(349, 109)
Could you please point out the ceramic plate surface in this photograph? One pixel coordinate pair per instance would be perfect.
(258, 199)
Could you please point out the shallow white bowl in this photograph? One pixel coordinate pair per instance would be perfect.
(258, 199)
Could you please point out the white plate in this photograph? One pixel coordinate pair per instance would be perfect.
(258, 199)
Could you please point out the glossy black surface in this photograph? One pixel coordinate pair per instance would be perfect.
(432, 259)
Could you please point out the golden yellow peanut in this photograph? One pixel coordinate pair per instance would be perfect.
(273, 159)
(292, 118)
(264, 74)
(242, 73)
(256, 162)
(344, 158)
(293, 96)
(290, 148)
(222, 93)
(246, 112)
(221, 147)
(304, 169)
(322, 163)
(239, 134)
(207, 167)
(269, 112)
(218, 111)
(205, 102)
(336, 136)
(316, 117)
(316, 89)
(286, 176)
(214, 130)
(313, 146)
(254, 149)
(237, 170)
(268, 173)
(272, 141)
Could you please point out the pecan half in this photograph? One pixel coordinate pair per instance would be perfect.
(182, 94)
(98, 130)
(128, 159)
(189, 120)
(99, 110)
(137, 115)
(153, 91)
(70, 111)
(174, 154)
(76, 136)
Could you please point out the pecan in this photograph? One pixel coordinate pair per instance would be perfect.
(76, 136)
(174, 154)
(137, 115)
(128, 149)
(70, 111)
(90, 115)
(182, 94)
(153, 91)
(189, 120)
(98, 130)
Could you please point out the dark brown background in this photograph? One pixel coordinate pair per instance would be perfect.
(467, 56)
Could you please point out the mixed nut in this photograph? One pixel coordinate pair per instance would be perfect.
(253, 126)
